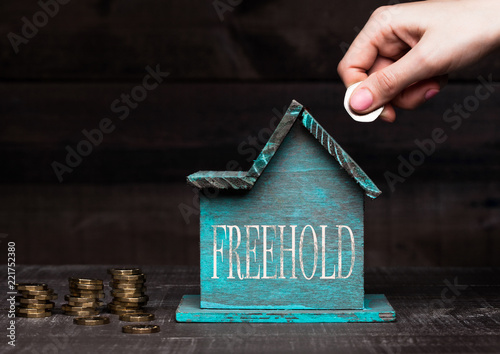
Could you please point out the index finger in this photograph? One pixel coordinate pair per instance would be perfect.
(373, 41)
(358, 59)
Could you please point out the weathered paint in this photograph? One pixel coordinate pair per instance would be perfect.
(334, 149)
(302, 185)
(246, 180)
(376, 309)
(274, 143)
(288, 248)
(222, 180)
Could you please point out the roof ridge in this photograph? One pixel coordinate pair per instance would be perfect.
(246, 180)
(274, 142)
(342, 157)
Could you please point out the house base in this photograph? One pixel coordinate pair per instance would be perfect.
(377, 309)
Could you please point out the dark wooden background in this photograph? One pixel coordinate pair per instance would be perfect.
(228, 80)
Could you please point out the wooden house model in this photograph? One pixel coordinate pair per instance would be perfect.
(284, 241)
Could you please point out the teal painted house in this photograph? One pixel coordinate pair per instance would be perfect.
(286, 235)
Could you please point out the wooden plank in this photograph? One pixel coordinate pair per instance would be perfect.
(241, 180)
(245, 180)
(376, 309)
(220, 180)
(89, 224)
(169, 137)
(293, 112)
(450, 224)
(116, 40)
(466, 323)
(304, 202)
(252, 292)
(343, 158)
(424, 223)
(449, 200)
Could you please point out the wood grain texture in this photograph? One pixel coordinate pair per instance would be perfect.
(376, 309)
(98, 223)
(303, 186)
(467, 322)
(222, 90)
(240, 180)
(335, 150)
(293, 112)
(451, 201)
(114, 40)
(168, 137)
(221, 180)
(446, 227)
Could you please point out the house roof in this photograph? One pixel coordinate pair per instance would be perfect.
(246, 179)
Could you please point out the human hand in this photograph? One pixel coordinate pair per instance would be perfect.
(405, 51)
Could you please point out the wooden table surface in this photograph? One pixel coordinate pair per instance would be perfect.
(439, 310)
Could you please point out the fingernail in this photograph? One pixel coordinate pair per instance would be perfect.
(431, 93)
(361, 100)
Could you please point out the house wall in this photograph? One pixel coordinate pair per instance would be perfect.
(229, 80)
(311, 206)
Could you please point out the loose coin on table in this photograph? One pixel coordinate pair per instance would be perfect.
(124, 311)
(116, 305)
(141, 329)
(113, 305)
(91, 321)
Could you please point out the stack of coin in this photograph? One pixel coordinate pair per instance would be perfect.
(128, 291)
(34, 300)
(83, 299)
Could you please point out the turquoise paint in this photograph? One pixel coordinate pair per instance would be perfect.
(376, 309)
(302, 185)
(221, 180)
(246, 180)
(340, 155)
(298, 184)
(276, 139)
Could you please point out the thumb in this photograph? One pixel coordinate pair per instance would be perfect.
(383, 85)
